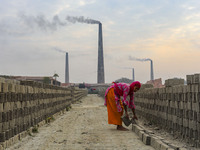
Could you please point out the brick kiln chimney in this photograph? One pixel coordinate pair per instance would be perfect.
(66, 69)
(100, 71)
(133, 74)
(152, 77)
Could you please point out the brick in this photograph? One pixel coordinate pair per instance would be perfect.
(1, 128)
(4, 87)
(2, 136)
(13, 97)
(196, 78)
(0, 117)
(16, 130)
(8, 115)
(7, 134)
(156, 143)
(1, 147)
(192, 125)
(195, 134)
(175, 147)
(164, 146)
(137, 129)
(146, 139)
(4, 117)
(140, 134)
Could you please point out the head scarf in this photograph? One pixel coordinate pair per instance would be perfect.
(132, 85)
(135, 83)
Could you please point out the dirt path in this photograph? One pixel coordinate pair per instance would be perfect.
(84, 127)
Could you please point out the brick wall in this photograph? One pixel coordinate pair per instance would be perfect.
(24, 104)
(174, 108)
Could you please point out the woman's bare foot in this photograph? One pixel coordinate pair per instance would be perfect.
(121, 128)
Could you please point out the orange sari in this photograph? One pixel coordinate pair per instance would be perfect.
(114, 117)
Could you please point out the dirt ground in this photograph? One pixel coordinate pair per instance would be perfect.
(83, 127)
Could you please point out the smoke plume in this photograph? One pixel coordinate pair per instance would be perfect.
(41, 22)
(44, 24)
(139, 59)
(59, 50)
(81, 19)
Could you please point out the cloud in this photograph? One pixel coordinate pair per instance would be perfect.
(62, 8)
(82, 3)
(86, 2)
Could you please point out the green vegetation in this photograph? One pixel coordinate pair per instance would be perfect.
(49, 119)
(35, 129)
(68, 108)
(55, 76)
(46, 80)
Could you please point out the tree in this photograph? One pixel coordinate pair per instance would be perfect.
(55, 76)
(46, 80)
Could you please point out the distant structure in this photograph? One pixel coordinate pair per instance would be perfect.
(42, 79)
(66, 69)
(157, 83)
(124, 80)
(133, 73)
(100, 65)
(152, 76)
(100, 69)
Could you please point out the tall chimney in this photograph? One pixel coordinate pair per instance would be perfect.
(100, 71)
(133, 74)
(152, 77)
(66, 69)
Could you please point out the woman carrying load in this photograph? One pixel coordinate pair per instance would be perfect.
(115, 106)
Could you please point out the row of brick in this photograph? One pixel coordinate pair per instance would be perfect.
(193, 79)
(6, 87)
(190, 96)
(26, 120)
(187, 111)
(23, 108)
(177, 112)
(187, 129)
(21, 112)
(14, 97)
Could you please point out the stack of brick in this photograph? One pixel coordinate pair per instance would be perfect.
(144, 86)
(175, 108)
(25, 104)
(78, 94)
(173, 82)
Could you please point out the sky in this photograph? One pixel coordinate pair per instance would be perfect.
(35, 34)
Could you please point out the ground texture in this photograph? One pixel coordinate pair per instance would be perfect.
(83, 127)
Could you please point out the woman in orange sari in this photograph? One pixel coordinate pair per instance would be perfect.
(115, 106)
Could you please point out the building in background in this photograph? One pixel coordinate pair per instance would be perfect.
(42, 79)
(157, 83)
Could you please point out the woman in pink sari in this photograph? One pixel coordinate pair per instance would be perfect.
(115, 106)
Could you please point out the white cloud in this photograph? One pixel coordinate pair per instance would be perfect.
(82, 3)
(193, 16)
(61, 8)
(86, 2)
